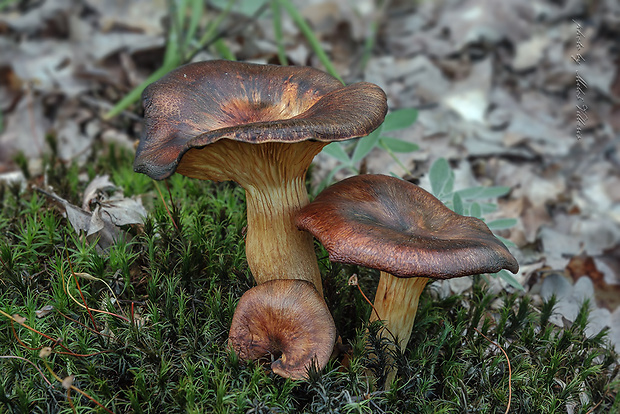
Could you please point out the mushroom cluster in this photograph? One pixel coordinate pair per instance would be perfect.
(260, 126)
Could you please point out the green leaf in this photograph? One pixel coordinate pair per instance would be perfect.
(328, 180)
(477, 193)
(501, 224)
(510, 279)
(475, 211)
(488, 208)
(335, 150)
(364, 145)
(398, 145)
(506, 242)
(400, 119)
(439, 175)
(457, 203)
(448, 186)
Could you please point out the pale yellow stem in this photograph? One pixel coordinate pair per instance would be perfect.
(275, 248)
(396, 302)
(273, 176)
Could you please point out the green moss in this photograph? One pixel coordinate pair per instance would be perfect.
(179, 277)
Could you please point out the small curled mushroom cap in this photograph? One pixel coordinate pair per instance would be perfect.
(392, 225)
(201, 103)
(285, 318)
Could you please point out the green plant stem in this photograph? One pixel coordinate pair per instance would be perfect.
(210, 34)
(277, 29)
(369, 45)
(395, 158)
(223, 50)
(309, 35)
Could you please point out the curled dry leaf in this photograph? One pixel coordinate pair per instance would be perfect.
(103, 224)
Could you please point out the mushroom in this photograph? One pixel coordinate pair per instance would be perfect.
(260, 126)
(288, 320)
(394, 226)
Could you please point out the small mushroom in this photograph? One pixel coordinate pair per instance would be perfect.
(394, 226)
(288, 320)
(260, 126)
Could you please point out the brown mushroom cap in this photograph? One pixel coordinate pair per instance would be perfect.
(286, 318)
(260, 126)
(201, 103)
(392, 225)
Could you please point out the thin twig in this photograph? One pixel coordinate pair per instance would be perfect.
(364, 296)
(55, 341)
(87, 276)
(83, 325)
(591, 410)
(509, 369)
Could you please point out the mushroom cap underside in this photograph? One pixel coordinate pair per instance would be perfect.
(204, 102)
(392, 225)
(288, 320)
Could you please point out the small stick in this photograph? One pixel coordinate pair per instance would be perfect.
(353, 281)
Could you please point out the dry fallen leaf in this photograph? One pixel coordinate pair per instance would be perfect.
(111, 212)
(607, 295)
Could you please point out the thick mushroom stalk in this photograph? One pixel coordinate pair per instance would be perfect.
(260, 126)
(396, 303)
(287, 320)
(394, 226)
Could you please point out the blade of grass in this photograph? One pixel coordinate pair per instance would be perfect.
(223, 50)
(211, 34)
(277, 30)
(315, 45)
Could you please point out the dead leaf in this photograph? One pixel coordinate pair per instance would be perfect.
(583, 265)
(95, 189)
(607, 294)
(104, 223)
